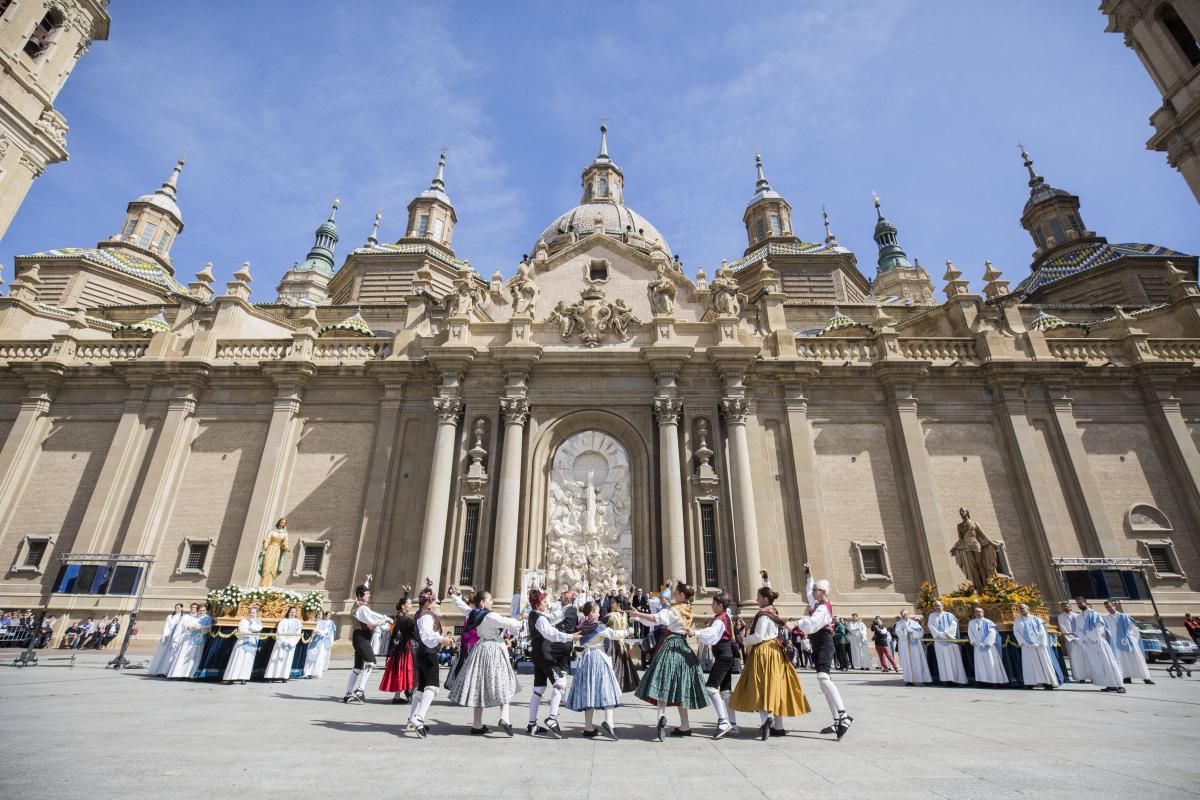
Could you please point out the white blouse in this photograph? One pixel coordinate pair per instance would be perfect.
(712, 634)
(494, 625)
(668, 619)
(764, 631)
(597, 641)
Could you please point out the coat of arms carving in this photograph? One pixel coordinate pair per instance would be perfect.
(592, 317)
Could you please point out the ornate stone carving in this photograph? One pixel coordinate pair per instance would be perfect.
(525, 291)
(662, 293)
(33, 164)
(726, 296)
(706, 476)
(666, 410)
(515, 410)
(447, 409)
(735, 410)
(54, 126)
(589, 539)
(975, 554)
(591, 317)
(476, 477)
(466, 295)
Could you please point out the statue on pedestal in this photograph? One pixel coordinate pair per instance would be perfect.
(727, 297)
(662, 293)
(975, 554)
(270, 559)
(525, 291)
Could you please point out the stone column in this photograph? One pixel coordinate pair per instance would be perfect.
(167, 461)
(670, 487)
(278, 455)
(1159, 387)
(383, 454)
(808, 487)
(749, 559)
(925, 516)
(106, 506)
(437, 501)
(24, 440)
(508, 505)
(1079, 470)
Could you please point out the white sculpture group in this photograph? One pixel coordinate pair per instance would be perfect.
(591, 317)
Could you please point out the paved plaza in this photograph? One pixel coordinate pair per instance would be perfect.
(126, 735)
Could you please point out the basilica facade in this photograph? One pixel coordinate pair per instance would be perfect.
(601, 418)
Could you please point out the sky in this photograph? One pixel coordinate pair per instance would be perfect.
(281, 107)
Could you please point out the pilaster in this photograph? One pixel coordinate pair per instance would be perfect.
(808, 487)
(24, 442)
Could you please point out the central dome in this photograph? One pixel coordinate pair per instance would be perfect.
(619, 221)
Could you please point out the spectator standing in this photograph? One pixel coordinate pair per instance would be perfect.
(841, 644)
(1193, 627)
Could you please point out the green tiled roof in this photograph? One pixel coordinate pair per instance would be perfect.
(122, 261)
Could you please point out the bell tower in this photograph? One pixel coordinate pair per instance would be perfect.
(431, 215)
(768, 215)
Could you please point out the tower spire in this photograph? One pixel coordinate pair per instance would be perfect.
(373, 239)
(439, 178)
(830, 238)
(603, 155)
(1035, 180)
(761, 184)
(891, 254)
(172, 182)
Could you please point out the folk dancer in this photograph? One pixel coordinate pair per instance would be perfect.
(195, 633)
(860, 649)
(818, 626)
(486, 679)
(673, 677)
(595, 685)
(241, 662)
(1037, 663)
(472, 617)
(161, 663)
(399, 678)
(1068, 626)
(1099, 660)
(943, 627)
(719, 638)
(1127, 644)
(985, 640)
(430, 641)
(543, 638)
(618, 649)
(316, 661)
(364, 620)
(911, 650)
(768, 683)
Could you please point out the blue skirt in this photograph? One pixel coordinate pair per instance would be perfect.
(595, 684)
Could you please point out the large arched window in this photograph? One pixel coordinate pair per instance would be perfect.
(1179, 31)
(43, 34)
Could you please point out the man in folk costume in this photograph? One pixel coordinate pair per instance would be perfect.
(818, 626)
(943, 627)
(1127, 644)
(1037, 663)
(1068, 626)
(543, 635)
(719, 638)
(365, 621)
(430, 641)
(985, 641)
(912, 650)
(1102, 666)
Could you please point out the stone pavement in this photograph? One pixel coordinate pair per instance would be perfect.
(88, 732)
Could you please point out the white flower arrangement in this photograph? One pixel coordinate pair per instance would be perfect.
(310, 603)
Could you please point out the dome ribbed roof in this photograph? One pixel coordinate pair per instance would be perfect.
(618, 220)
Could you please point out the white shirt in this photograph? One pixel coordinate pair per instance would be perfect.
(712, 634)
(550, 633)
(494, 625)
(764, 630)
(366, 616)
(429, 637)
(668, 619)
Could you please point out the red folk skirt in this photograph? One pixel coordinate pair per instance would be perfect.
(398, 672)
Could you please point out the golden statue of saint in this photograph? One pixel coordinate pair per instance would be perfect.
(270, 560)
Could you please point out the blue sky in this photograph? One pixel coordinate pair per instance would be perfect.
(923, 102)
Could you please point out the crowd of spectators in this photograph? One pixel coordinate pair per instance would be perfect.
(91, 634)
(18, 627)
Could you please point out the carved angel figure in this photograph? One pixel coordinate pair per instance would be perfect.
(525, 290)
(467, 294)
(622, 316)
(662, 293)
(726, 299)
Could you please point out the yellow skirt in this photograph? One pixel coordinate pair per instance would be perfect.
(769, 683)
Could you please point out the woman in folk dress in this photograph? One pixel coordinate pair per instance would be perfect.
(193, 632)
(287, 636)
(595, 685)
(399, 677)
(768, 684)
(486, 678)
(673, 677)
(618, 649)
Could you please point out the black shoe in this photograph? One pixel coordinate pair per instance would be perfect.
(533, 729)
(506, 727)
(778, 732)
(681, 732)
(830, 728)
(660, 728)
(1120, 690)
(419, 728)
(399, 701)
(1127, 680)
(764, 731)
(843, 725)
(552, 726)
(723, 729)
(1049, 687)
(352, 698)
(608, 731)
(1148, 681)
(592, 734)
(1109, 689)
(481, 731)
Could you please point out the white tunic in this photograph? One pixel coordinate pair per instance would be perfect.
(943, 627)
(912, 651)
(1036, 664)
(1127, 646)
(287, 636)
(380, 635)
(985, 639)
(1068, 625)
(191, 646)
(161, 663)
(494, 625)
(241, 661)
(764, 631)
(1101, 664)
(860, 645)
(711, 635)
(317, 659)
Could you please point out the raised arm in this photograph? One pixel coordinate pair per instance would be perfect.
(712, 634)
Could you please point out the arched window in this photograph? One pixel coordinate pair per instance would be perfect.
(43, 34)
(1178, 29)
(602, 187)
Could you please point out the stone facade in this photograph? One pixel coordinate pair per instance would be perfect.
(408, 420)
(40, 43)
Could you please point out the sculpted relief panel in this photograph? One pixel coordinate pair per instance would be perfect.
(589, 540)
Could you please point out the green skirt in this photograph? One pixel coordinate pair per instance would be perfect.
(674, 676)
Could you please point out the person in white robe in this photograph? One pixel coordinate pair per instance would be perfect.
(317, 659)
(161, 663)
(943, 628)
(1068, 627)
(241, 661)
(860, 644)
(191, 647)
(1126, 642)
(912, 650)
(380, 637)
(985, 641)
(1101, 664)
(287, 636)
(1037, 667)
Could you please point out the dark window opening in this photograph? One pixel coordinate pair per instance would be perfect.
(1107, 584)
(1160, 556)
(1057, 229)
(197, 554)
(708, 530)
(39, 40)
(1179, 31)
(598, 271)
(466, 575)
(314, 555)
(872, 561)
(35, 552)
